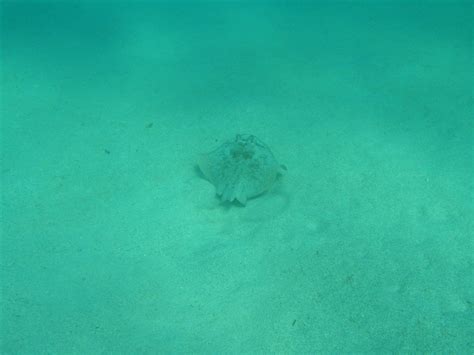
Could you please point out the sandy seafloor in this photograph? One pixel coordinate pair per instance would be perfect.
(113, 243)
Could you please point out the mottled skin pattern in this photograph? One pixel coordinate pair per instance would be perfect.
(241, 169)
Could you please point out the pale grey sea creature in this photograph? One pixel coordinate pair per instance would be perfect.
(241, 168)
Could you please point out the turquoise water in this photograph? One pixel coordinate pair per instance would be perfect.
(112, 241)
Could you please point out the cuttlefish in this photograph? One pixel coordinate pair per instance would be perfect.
(241, 169)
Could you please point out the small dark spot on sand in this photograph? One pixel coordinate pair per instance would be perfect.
(106, 151)
(149, 125)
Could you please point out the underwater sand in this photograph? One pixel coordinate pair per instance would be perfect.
(111, 240)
